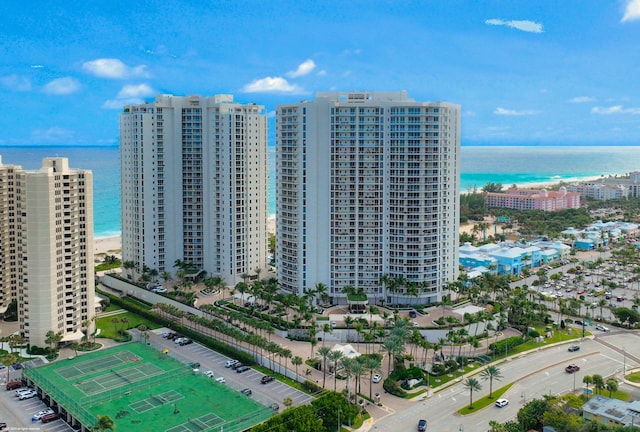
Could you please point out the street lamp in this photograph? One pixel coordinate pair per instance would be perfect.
(624, 362)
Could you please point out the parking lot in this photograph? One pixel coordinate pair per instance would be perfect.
(266, 394)
(18, 413)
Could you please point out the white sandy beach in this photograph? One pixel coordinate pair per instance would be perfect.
(113, 245)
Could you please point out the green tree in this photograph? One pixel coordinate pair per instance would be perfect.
(611, 385)
(296, 361)
(472, 385)
(105, 423)
(323, 353)
(530, 416)
(598, 382)
(489, 374)
(331, 405)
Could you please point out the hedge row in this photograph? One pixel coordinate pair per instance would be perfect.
(144, 310)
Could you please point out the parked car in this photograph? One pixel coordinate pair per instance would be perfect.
(221, 380)
(242, 369)
(572, 368)
(236, 365)
(50, 417)
(578, 322)
(574, 348)
(22, 390)
(376, 378)
(209, 373)
(159, 290)
(194, 365)
(602, 328)
(37, 416)
(27, 395)
(275, 406)
(502, 403)
(246, 391)
(12, 385)
(230, 363)
(422, 425)
(412, 314)
(185, 341)
(2, 425)
(179, 340)
(266, 379)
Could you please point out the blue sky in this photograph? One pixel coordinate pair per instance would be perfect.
(525, 72)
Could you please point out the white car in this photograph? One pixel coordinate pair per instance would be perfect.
(602, 328)
(376, 378)
(28, 395)
(209, 373)
(37, 416)
(230, 363)
(159, 290)
(179, 340)
(502, 403)
(221, 380)
(22, 390)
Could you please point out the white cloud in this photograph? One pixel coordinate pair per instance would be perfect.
(37, 66)
(524, 25)
(631, 11)
(615, 109)
(136, 91)
(322, 72)
(113, 68)
(272, 85)
(582, 99)
(303, 69)
(15, 83)
(510, 112)
(53, 134)
(62, 86)
(129, 95)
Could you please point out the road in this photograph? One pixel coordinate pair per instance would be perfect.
(533, 374)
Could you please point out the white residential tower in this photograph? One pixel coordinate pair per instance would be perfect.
(368, 195)
(194, 185)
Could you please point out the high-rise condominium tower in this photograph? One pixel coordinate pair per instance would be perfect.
(194, 185)
(368, 196)
(47, 249)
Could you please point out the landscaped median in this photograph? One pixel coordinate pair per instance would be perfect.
(485, 401)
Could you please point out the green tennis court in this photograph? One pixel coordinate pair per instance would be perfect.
(139, 387)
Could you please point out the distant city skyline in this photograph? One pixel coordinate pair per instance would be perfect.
(543, 72)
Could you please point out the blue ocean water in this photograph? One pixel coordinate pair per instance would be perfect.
(480, 165)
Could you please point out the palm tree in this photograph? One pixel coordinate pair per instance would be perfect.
(587, 379)
(611, 385)
(296, 361)
(598, 382)
(372, 364)
(105, 423)
(472, 385)
(335, 356)
(490, 373)
(323, 353)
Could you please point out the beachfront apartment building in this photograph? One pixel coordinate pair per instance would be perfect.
(194, 186)
(610, 187)
(47, 249)
(368, 188)
(533, 199)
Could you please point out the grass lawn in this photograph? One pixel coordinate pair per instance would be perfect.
(107, 327)
(634, 377)
(484, 401)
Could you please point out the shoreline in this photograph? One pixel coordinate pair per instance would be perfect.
(111, 245)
